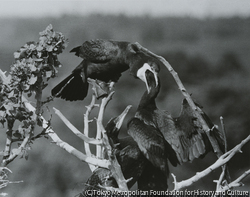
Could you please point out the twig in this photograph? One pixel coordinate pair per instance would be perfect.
(224, 167)
(183, 90)
(221, 178)
(223, 132)
(16, 152)
(105, 100)
(100, 128)
(8, 145)
(9, 140)
(235, 183)
(86, 129)
(75, 130)
(220, 162)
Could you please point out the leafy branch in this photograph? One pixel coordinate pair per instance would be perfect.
(35, 63)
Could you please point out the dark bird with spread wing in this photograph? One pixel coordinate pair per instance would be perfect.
(162, 138)
(134, 165)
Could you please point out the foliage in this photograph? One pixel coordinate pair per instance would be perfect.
(35, 63)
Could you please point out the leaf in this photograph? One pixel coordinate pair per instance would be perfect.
(32, 80)
(49, 48)
(8, 108)
(48, 74)
(32, 67)
(17, 55)
(17, 134)
(7, 80)
(11, 94)
(2, 113)
(32, 46)
(39, 48)
(38, 59)
(24, 86)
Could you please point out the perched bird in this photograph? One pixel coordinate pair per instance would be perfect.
(133, 163)
(104, 60)
(128, 155)
(161, 137)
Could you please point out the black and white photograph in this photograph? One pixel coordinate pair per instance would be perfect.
(124, 98)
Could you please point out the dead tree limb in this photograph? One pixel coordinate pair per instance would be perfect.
(75, 130)
(220, 162)
(236, 183)
(86, 128)
(114, 167)
(66, 146)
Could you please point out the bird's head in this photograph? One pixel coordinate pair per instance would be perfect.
(148, 72)
(115, 124)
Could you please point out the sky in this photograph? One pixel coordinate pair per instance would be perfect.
(193, 8)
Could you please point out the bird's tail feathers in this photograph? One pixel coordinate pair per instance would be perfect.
(72, 88)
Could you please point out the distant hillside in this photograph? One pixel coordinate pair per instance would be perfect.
(187, 34)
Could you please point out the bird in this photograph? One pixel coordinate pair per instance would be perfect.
(127, 153)
(104, 60)
(163, 138)
(134, 165)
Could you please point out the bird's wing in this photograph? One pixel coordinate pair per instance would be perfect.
(215, 132)
(72, 88)
(182, 135)
(97, 51)
(185, 133)
(132, 162)
(150, 142)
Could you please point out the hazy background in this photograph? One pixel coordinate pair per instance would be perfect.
(207, 42)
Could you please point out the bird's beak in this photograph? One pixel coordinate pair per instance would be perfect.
(119, 120)
(141, 74)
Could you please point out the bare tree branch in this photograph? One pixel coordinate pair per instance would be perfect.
(220, 162)
(75, 130)
(115, 167)
(86, 128)
(235, 183)
(105, 100)
(223, 132)
(66, 146)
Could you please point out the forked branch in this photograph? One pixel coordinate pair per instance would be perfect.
(86, 128)
(75, 130)
(220, 162)
(114, 167)
(66, 146)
